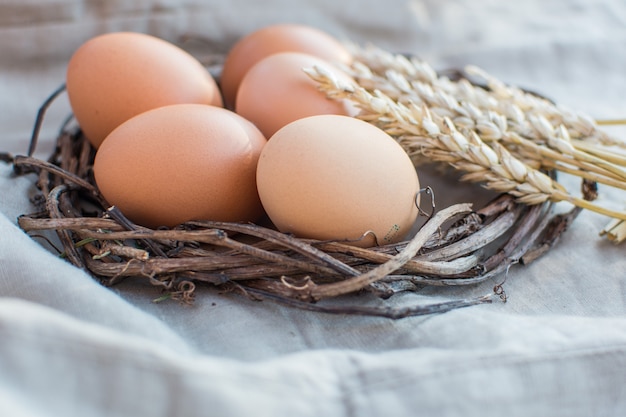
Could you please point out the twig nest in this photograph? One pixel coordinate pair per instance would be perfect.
(333, 183)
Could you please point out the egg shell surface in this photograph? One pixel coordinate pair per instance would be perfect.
(273, 39)
(115, 76)
(179, 163)
(332, 177)
(277, 91)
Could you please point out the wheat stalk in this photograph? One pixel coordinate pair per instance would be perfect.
(615, 231)
(423, 133)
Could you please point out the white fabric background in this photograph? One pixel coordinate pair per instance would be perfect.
(69, 347)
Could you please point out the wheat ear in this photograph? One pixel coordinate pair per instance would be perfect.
(421, 133)
(506, 115)
(498, 96)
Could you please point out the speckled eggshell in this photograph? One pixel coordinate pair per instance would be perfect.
(274, 39)
(277, 91)
(333, 177)
(115, 76)
(179, 163)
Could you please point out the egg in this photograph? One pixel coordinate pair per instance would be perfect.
(115, 76)
(181, 162)
(277, 91)
(273, 39)
(333, 177)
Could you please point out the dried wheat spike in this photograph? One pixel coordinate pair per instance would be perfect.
(528, 112)
(516, 119)
(424, 133)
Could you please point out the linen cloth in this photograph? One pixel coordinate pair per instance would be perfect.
(557, 347)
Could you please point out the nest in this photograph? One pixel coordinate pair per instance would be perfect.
(458, 245)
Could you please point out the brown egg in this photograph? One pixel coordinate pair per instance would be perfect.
(273, 39)
(276, 91)
(116, 76)
(335, 177)
(181, 162)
